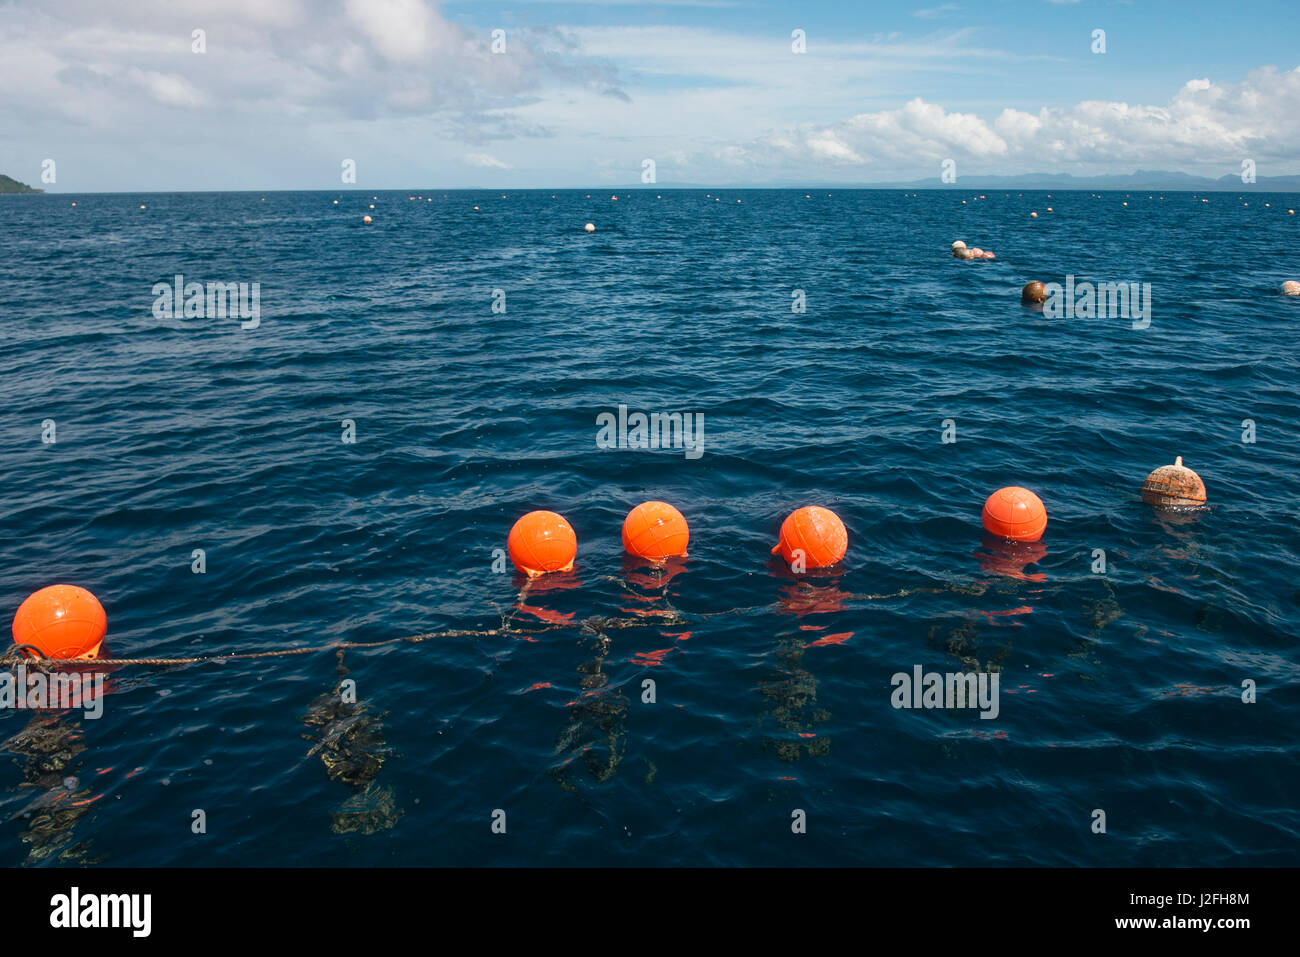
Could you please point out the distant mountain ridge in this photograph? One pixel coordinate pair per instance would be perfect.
(1139, 179)
(10, 185)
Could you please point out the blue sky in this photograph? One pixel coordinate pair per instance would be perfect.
(411, 90)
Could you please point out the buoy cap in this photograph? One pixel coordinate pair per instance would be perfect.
(542, 542)
(1034, 291)
(1016, 514)
(655, 530)
(61, 621)
(816, 532)
(1174, 486)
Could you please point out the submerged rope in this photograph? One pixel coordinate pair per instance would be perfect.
(32, 658)
(29, 656)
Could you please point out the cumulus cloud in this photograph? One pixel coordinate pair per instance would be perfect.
(1204, 124)
(82, 60)
(485, 161)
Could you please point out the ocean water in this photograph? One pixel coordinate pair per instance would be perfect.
(1120, 691)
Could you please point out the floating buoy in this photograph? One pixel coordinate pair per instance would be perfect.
(1290, 212)
(1033, 215)
(1015, 513)
(816, 532)
(74, 204)
(1034, 291)
(367, 220)
(1049, 209)
(142, 206)
(590, 227)
(957, 245)
(655, 530)
(61, 621)
(1291, 288)
(476, 207)
(1173, 486)
(336, 202)
(372, 205)
(542, 542)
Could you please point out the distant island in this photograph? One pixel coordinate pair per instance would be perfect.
(10, 185)
(1140, 179)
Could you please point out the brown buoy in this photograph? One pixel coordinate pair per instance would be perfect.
(1033, 292)
(1173, 486)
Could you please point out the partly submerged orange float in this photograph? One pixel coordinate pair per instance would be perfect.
(61, 621)
(542, 542)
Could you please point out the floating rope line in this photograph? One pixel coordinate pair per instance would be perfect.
(32, 658)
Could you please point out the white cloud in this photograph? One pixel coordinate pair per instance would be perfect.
(290, 87)
(485, 161)
(935, 13)
(1205, 126)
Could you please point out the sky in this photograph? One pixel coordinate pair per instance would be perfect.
(283, 93)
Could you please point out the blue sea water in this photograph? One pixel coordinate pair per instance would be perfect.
(1120, 692)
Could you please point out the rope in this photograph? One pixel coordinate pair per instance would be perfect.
(32, 657)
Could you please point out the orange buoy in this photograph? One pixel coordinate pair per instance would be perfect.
(61, 621)
(816, 532)
(1015, 513)
(1291, 288)
(367, 220)
(1173, 486)
(655, 530)
(1033, 292)
(542, 542)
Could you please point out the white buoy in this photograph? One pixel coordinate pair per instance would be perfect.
(367, 220)
(1033, 215)
(590, 227)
